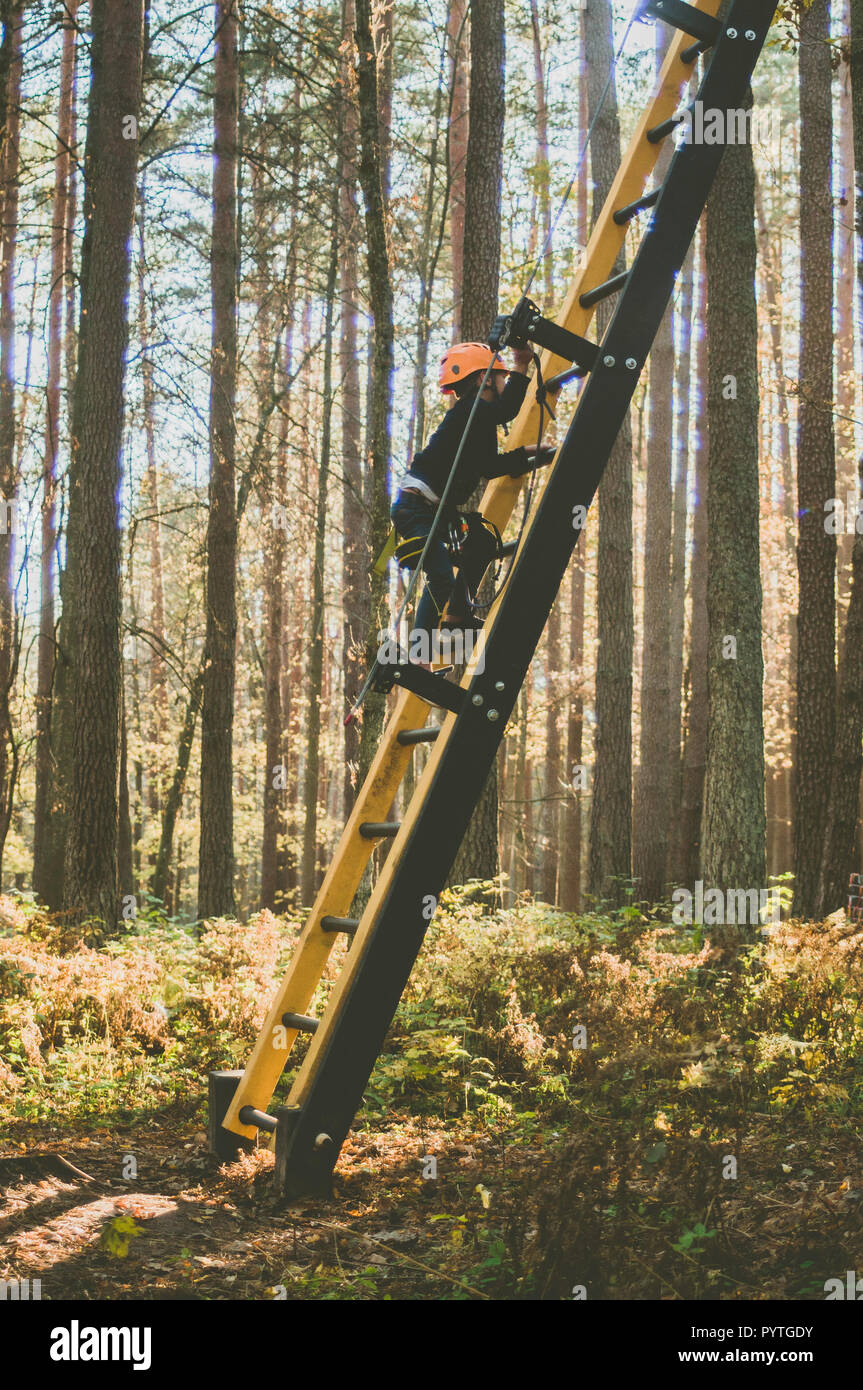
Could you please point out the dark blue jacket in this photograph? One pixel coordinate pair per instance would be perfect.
(480, 457)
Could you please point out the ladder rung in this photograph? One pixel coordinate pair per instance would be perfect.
(685, 17)
(301, 1022)
(626, 214)
(345, 924)
(555, 383)
(380, 829)
(602, 291)
(690, 54)
(407, 737)
(659, 132)
(250, 1116)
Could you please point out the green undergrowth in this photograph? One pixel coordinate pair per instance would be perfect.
(652, 1121)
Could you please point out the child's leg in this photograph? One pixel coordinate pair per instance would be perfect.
(478, 551)
(412, 520)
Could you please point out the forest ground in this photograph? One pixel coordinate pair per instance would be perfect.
(604, 1165)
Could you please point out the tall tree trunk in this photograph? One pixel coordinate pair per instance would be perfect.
(816, 462)
(53, 871)
(695, 744)
(125, 869)
(160, 882)
(458, 138)
(554, 781)
(431, 241)
(274, 847)
(93, 539)
(611, 806)
(355, 594)
(733, 820)
(158, 677)
(478, 855)
(652, 790)
(680, 513)
(216, 857)
(770, 260)
(382, 35)
(316, 635)
(846, 381)
(839, 856)
(570, 886)
(46, 881)
(274, 780)
(371, 171)
(516, 854)
(840, 849)
(10, 75)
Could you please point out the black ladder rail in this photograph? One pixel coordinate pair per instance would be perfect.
(342, 1055)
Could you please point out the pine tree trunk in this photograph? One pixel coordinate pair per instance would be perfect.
(652, 791)
(125, 869)
(158, 679)
(316, 635)
(11, 64)
(355, 596)
(680, 513)
(770, 261)
(216, 856)
(611, 806)
(62, 751)
(478, 855)
(840, 841)
(173, 802)
(846, 382)
(458, 138)
(93, 538)
(570, 881)
(273, 839)
(816, 463)
(46, 881)
(382, 36)
(733, 820)
(554, 781)
(428, 254)
(839, 857)
(695, 743)
(372, 168)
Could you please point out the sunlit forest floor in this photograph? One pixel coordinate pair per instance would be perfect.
(608, 1108)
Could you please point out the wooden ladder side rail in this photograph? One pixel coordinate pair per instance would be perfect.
(270, 1053)
(373, 802)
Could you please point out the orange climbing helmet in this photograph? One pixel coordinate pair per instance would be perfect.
(462, 360)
